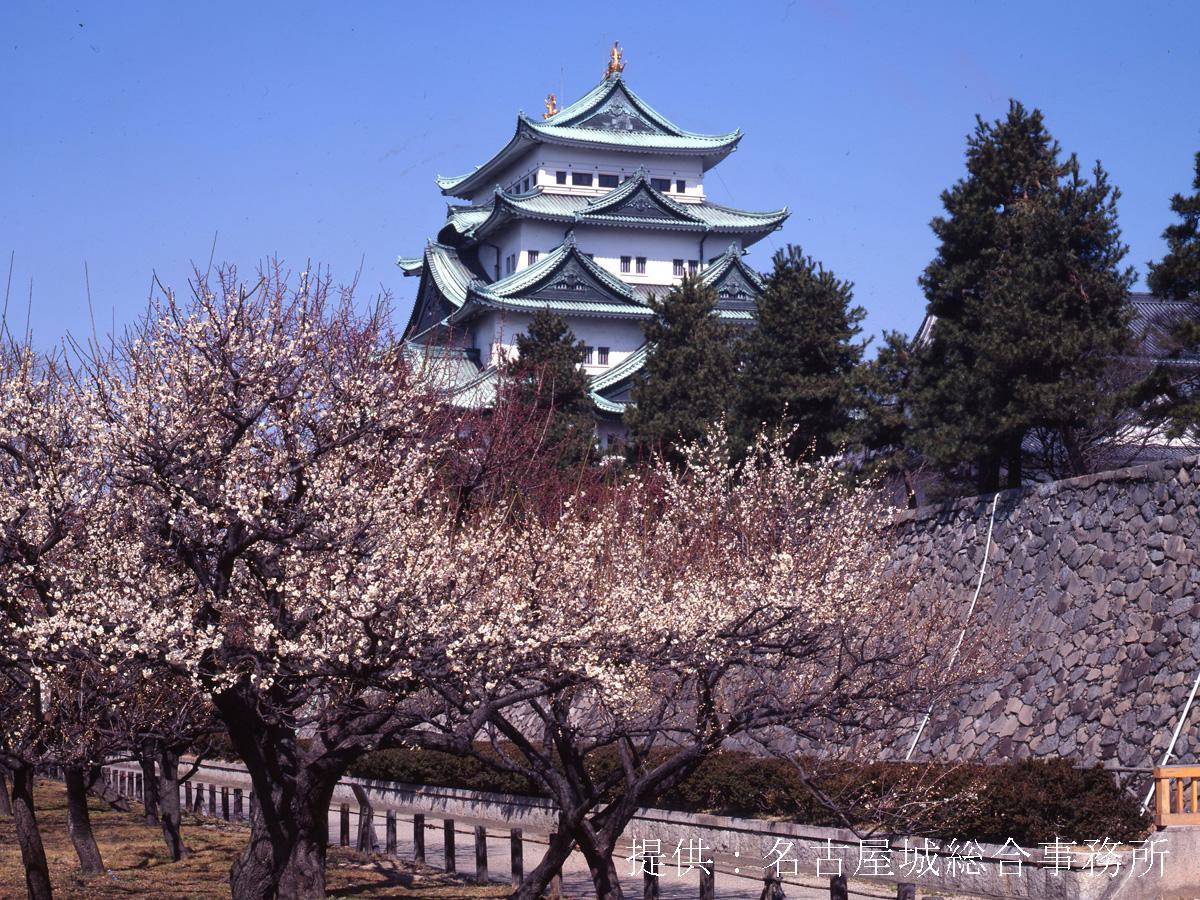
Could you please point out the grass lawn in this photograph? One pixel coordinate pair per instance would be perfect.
(136, 858)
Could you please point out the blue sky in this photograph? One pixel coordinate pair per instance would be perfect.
(132, 133)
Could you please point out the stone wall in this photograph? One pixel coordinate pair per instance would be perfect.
(1093, 581)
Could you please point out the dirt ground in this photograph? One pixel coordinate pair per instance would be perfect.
(137, 864)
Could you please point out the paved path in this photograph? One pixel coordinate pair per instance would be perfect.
(577, 884)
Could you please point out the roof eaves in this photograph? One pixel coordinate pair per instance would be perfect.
(627, 367)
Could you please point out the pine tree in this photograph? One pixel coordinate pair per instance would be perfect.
(884, 430)
(798, 363)
(686, 382)
(547, 376)
(1030, 302)
(1177, 274)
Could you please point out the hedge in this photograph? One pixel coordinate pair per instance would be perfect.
(1029, 801)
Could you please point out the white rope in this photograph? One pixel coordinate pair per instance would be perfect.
(987, 547)
(1187, 707)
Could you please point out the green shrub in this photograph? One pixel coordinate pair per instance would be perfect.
(1028, 801)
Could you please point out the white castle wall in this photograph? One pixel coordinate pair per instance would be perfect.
(495, 334)
(608, 245)
(542, 161)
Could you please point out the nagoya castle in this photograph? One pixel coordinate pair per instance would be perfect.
(586, 212)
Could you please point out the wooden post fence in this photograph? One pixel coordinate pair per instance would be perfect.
(225, 803)
(481, 860)
(838, 889)
(448, 840)
(390, 833)
(906, 890)
(708, 882)
(419, 839)
(344, 825)
(238, 812)
(518, 857)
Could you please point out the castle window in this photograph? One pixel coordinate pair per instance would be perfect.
(693, 266)
(602, 356)
(678, 268)
(680, 186)
(588, 353)
(608, 181)
(533, 256)
(641, 265)
(660, 184)
(625, 264)
(560, 177)
(581, 179)
(525, 185)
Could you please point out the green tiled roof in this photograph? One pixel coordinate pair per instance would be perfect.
(622, 370)
(410, 265)
(479, 391)
(535, 287)
(605, 405)
(657, 210)
(610, 116)
(731, 259)
(452, 278)
(448, 368)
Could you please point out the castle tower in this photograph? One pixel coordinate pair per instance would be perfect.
(586, 211)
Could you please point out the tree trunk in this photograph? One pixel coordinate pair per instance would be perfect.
(104, 792)
(367, 842)
(1075, 458)
(286, 853)
(536, 882)
(168, 802)
(605, 879)
(33, 854)
(79, 822)
(293, 786)
(5, 796)
(989, 473)
(1014, 465)
(149, 785)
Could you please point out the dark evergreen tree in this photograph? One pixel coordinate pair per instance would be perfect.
(1177, 275)
(798, 363)
(884, 428)
(1030, 301)
(687, 380)
(547, 375)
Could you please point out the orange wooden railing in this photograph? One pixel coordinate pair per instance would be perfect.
(1175, 795)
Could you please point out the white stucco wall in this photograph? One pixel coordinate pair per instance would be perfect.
(541, 162)
(495, 334)
(608, 245)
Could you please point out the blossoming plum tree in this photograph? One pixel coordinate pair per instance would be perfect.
(691, 610)
(278, 533)
(46, 486)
